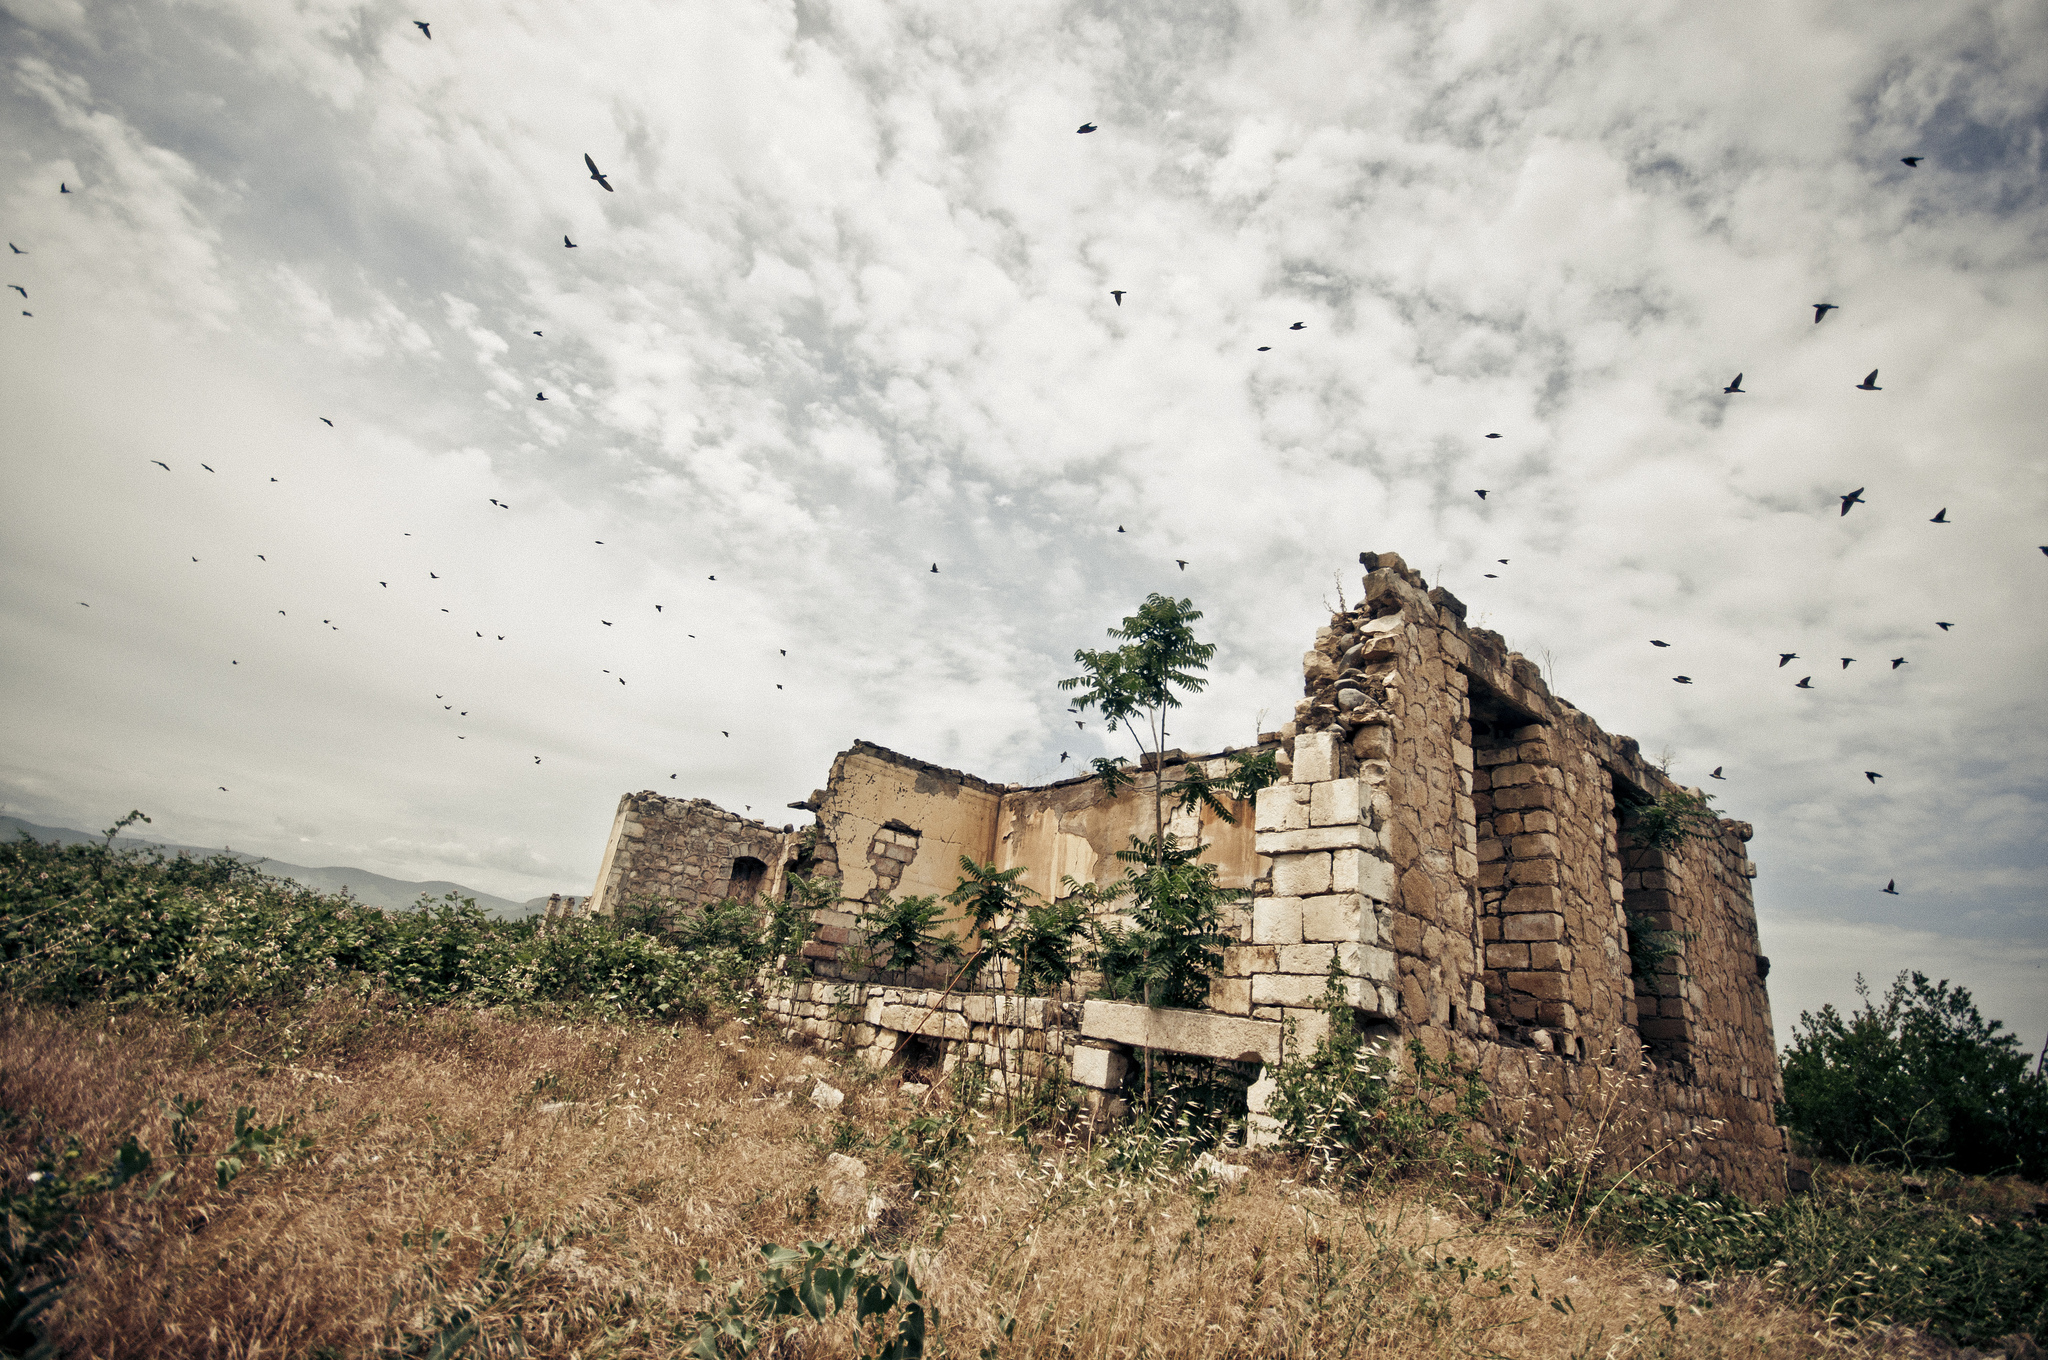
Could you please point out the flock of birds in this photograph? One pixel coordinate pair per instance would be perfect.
(1734, 387)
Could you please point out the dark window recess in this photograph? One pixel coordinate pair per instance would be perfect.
(921, 1059)
(748, 874)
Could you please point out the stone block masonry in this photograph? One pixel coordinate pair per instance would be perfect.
(1449, 851)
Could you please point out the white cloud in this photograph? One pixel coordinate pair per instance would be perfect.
(848, 314)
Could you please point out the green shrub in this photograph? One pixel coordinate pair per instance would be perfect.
(1858, 1248)
(1918, 1079)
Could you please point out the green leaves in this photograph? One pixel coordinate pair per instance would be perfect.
(1168, 952)
(811, 1283)
(1919, 1078)
(903, 932)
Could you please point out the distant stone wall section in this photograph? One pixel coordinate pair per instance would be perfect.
(684, 851)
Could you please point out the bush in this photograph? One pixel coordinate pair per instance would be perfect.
(1919, 1079)
(83, 923)
(1859, 1248)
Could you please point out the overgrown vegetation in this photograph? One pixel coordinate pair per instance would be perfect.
(1916, 1079)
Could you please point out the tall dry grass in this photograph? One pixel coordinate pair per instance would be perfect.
(551, 1187)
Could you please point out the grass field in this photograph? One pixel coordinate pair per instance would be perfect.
(441, 1181)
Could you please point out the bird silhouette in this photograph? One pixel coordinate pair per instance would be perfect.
(1807, 683)
(1716, 773)
(1491, 576)
(1846, 660)
(1264, 348)
(606, 622)
(536, 760)
(1784, 657)
(783, 650)
(207, 468)
(778, 687)
(63, 188)
(567, 243)
(708, 578)
(1683, 679)
(222, 787)
(16, 249)
(328, 423)
(1944, 627)
(1494, 436)
(1940, 516)
(1078, 724)
(385, 584)
(1911, 161)
(1869, 383)
(421, 25)
(261, 558)
(165, 466)
(1658, 642)
(1085, 127)
(536, 332)
(1821, 309)
(597, 174)
(1735, 386)
(1118, 294)
(935, 569)
(1853, 498)
(1119, 528)
(723, 733)
(540, 396)
(1891, 885)
(19, 289)
(1897, 662)
(1480, 494)
(1502, 560)
(84, 605)
(1063, 758)
(1872, 775)
(1183, 563)
(432, 577)
(1299, 326)
(28, 313)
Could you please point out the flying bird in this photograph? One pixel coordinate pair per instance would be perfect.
(536, 760)
(1480, 494)
(1821, 309)
(165, 466)
(567, 242)
(536, 332)
(261, 558)
(1183, 563)
(1119, 528)
(1872, 775)
(19, 289)
(432, 576)
(1716, 773)
(1659, 642)
(16, 249)
(606, 622)
(708, 578)
(1492, 576)
(1085, 127)
(1493, 436)
(657, 609)
(207, 468)
(1299, 326)
(1807, 683)
(1891, 885)
(1063, 758)
(1683, 679)
(328, 423)
(1897, 662)
(1944, 627)
(1940, 516)
(783, 650)
(222, 787)
(1869, 383)
(63, 188)
(421, 25)
(935, 569)
(1078, 724)
(1118, 294)
(1783, 657)
(778, 687)
(540, 396)
(1735, 386)
(1846, 660)
(1912, 162)
(597, 174)
(1502, 560)
(1264, 348)
(385, 584)
(723, 733)
(1853, 498)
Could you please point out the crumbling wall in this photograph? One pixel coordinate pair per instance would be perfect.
(685, 851)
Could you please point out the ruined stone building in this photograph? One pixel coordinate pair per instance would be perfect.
(1454, 835)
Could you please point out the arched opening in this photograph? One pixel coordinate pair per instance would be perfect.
(748, 874)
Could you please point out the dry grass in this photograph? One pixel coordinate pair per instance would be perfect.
(432, 1134)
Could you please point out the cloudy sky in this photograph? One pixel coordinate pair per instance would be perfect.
(848, 315)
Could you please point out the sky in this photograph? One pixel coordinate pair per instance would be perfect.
(846, 315)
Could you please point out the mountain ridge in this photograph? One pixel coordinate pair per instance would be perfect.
(371, 889)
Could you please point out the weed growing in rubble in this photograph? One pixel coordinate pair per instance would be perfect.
(1351, 1109)
(816, 1282)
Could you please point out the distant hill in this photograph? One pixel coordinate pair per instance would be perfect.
(371, 889)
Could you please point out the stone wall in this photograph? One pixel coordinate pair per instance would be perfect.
(1453, 837)
(686, 851)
